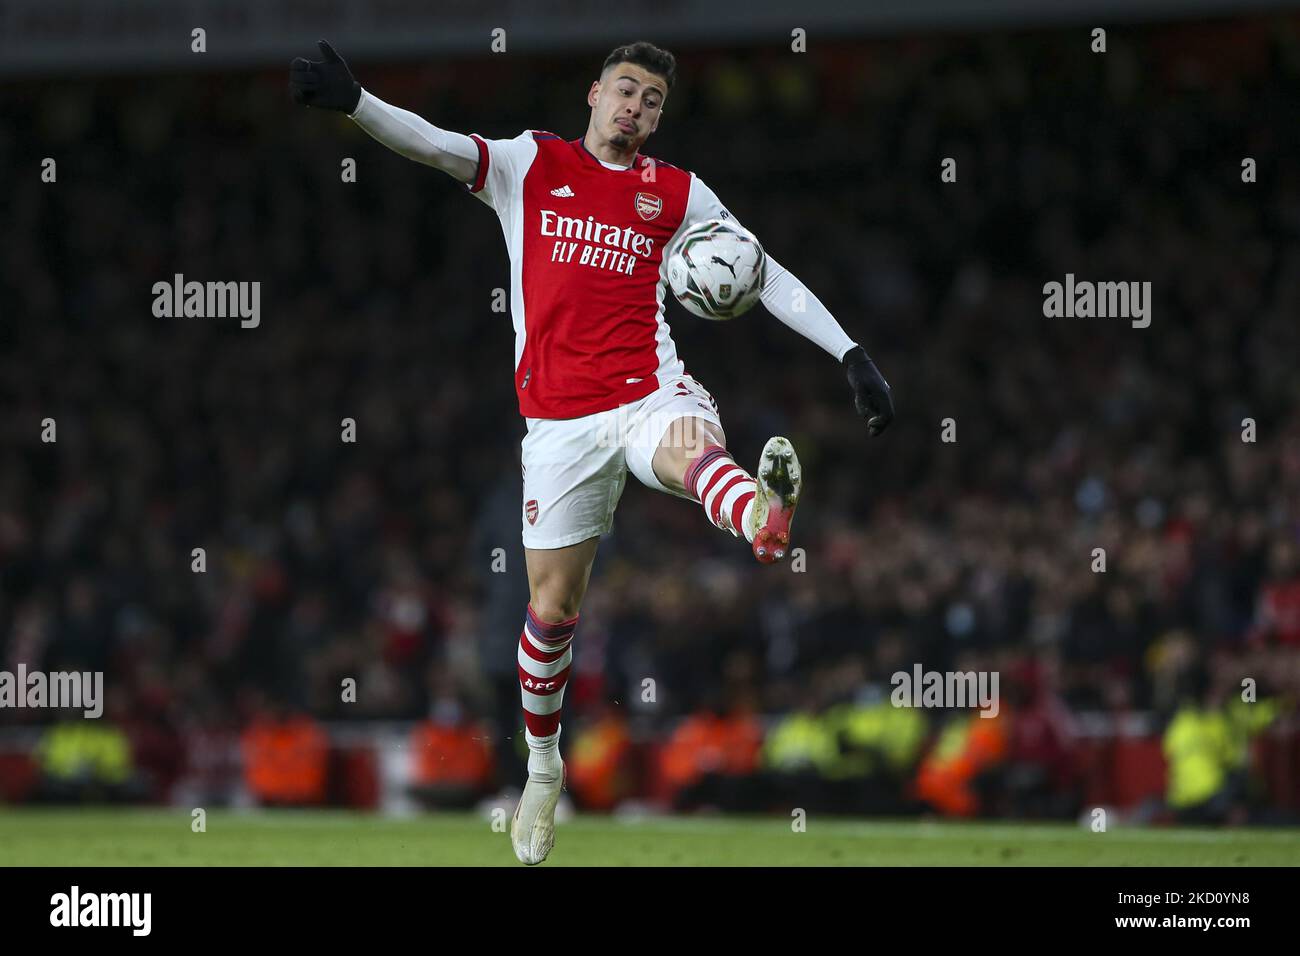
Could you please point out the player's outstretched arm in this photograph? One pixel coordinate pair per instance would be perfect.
(872, 396)
(328, 84)
(796, 306)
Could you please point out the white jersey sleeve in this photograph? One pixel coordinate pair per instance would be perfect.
(416, 138)
(502, 165)
(783, 294)
(492, 169)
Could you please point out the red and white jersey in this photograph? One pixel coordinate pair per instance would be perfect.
(587, 247)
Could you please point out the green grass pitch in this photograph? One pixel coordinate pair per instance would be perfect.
(77, 837)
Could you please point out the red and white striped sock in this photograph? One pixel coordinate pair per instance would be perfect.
(724, 488)
(545, 657)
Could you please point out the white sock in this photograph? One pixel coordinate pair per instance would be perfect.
(745, 529)
(544, 763)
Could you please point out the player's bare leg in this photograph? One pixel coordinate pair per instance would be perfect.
(684, 441)
(557, 582)
(692, 457)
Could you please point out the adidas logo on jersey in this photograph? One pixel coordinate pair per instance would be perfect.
(564, 192)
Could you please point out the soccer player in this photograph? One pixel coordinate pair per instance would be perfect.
(587, 223)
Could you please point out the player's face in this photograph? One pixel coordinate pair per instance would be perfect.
(626, 103)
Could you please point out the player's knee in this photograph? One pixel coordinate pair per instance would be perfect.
(685, 440)
(557, 600)
(696, 434)
(556, 606)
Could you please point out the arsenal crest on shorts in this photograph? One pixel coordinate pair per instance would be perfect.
(648, 206)
(530, 510)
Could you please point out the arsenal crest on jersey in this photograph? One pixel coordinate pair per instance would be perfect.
(648, 206)
(530, 510)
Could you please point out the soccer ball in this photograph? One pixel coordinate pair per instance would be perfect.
(716, 269)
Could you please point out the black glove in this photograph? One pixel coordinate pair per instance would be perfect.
(325, 84)
(871, 393)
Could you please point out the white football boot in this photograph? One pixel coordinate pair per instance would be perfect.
(780, 482)
(532, 829)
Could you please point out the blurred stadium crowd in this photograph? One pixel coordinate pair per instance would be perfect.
(376, 560)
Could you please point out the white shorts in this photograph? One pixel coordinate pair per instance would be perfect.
(575, 468)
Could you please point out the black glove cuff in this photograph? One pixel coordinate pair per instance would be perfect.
(854, 356)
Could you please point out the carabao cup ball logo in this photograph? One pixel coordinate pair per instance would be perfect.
(716, 269)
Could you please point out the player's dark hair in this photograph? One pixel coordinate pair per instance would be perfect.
(645, 55)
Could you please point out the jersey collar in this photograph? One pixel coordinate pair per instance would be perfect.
(581, 144)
